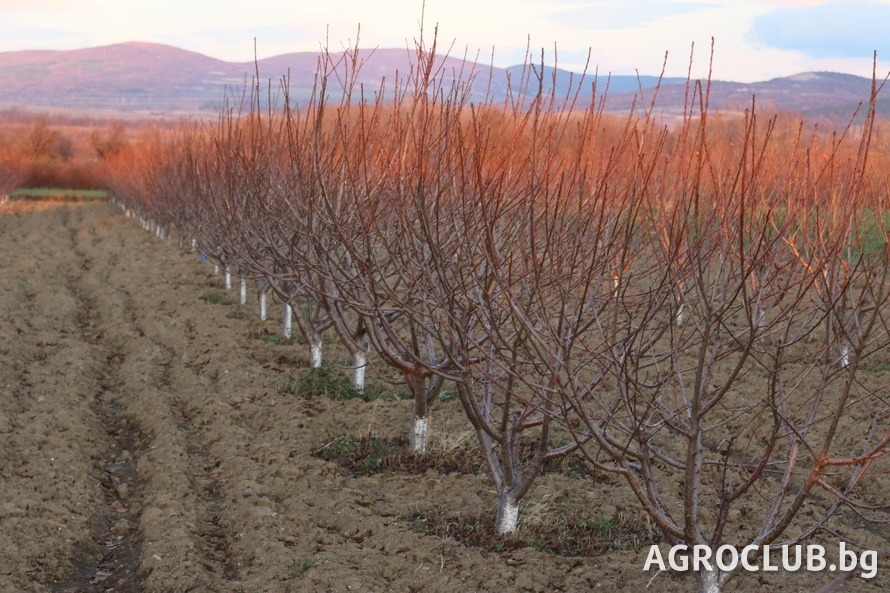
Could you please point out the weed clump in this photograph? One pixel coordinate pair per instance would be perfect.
(578, 538)
(324, 380)
(215, 298)
(367, 455)
(327, 381)
(373, 454)
(239, 313)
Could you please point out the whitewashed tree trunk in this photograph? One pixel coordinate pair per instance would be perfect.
(845, 355)
(359, 365)
(759, 318)
(287, 322)
(315, 352)
(709, 581)
(263, 312)
(680, 315)
(420, 429)
(425, 390)
(228, 279)
(508, 515)
(216, 269)
(243, 290)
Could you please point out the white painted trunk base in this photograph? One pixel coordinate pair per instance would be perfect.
(508, 517)
(263, 311)
(680, 316)
(709, 581)
(243, 291)
(287, 322)
(315, 355)
(845, 356)
(359, 365)
(759, 319)
(228, 280)
(420, 428)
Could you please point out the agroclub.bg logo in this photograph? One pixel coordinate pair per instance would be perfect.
(752, 558)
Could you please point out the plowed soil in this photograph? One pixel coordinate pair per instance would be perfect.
(146, 444)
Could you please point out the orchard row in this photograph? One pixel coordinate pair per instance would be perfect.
(691, 307)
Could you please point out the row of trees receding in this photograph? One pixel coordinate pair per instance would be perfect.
(691, 308)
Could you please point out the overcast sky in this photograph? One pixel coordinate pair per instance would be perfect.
(754, 39)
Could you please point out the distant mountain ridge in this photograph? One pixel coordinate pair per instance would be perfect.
(161, 79)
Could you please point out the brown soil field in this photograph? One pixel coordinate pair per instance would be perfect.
(151, 441)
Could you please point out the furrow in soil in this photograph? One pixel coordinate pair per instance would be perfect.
(170, 512)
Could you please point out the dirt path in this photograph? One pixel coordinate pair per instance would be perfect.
(145, 445)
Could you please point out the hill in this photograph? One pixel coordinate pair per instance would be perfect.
(160, 79)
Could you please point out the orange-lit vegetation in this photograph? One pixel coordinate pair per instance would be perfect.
(690, 307)
(63, 151)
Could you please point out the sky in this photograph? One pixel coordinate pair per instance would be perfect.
(754, 40)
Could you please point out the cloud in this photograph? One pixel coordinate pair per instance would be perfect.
(237, 43)
(16, 36)
(836, 29)
(268, 34)
(606, 14)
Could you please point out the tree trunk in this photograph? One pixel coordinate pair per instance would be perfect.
(315, 351)
(359, 365)
(844, 351)
(420, 427)
(263, 292)
(287, 322)
(709, 581)
(243, 291)
(420, 421)
(228, 279)
(508, 515)
(759, 318)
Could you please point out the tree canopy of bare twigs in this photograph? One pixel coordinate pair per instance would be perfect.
(691, 308)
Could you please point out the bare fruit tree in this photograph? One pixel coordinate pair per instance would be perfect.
(758, 395)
